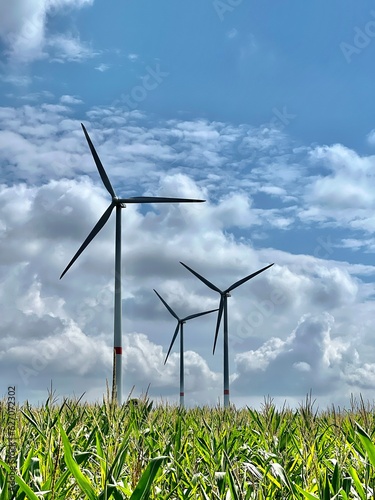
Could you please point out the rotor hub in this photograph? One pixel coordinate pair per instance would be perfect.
(115, 201)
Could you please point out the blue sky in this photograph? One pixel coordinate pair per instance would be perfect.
(265, 110)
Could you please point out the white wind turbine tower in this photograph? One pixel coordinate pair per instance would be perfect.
(180, 327)
(223, 307)
(119, 204)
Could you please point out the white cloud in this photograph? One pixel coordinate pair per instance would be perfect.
(69, 48)
(361, 376)
(273, 190)
(144, 363)
(309, 359)
(52, 197)
(24, 30)
(69, 99)
(343, 196)
(102, 67)
(348, 184)
(355, 244)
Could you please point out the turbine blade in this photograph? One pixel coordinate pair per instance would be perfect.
(240, 282)
(173, 339)
(99, 165)
(198, 314)
(206, 282)
(98, 226)
(157, 199)
(167, 306)
(219, 316)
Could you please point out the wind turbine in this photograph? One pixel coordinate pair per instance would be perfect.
(180, 326)
(117, 203)
(224, 308)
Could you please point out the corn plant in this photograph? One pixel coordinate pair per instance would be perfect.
(104, 451)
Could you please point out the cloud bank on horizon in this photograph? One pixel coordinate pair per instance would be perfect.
(276, 191)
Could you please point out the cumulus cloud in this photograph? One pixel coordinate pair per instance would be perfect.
(144, 363)
(69, 99)
(24, 30)
(361, 376)
(43, 306)
(344, 194)
(52, 197)
(309, 359)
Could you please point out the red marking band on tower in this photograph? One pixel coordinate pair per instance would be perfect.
(118, 350)
(226, 392)
(181, 394)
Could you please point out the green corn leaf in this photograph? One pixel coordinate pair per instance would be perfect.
(306, 494)
(367, 444)
(30, 495)
(357, 483)
(343, 495)
(119, 460)
(177, 437)
(62, 481)
(33, 423)
(27, 463)
(142, 490)
(346, 484)
(203, 493)
(102, 461)
(99, 449)
(336, 479)
(72, 465)
(232, 485)
(326, 491)
(5, 489)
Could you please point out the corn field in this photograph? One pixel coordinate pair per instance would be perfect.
(75, 450)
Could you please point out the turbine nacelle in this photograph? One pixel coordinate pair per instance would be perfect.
(116, 201)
